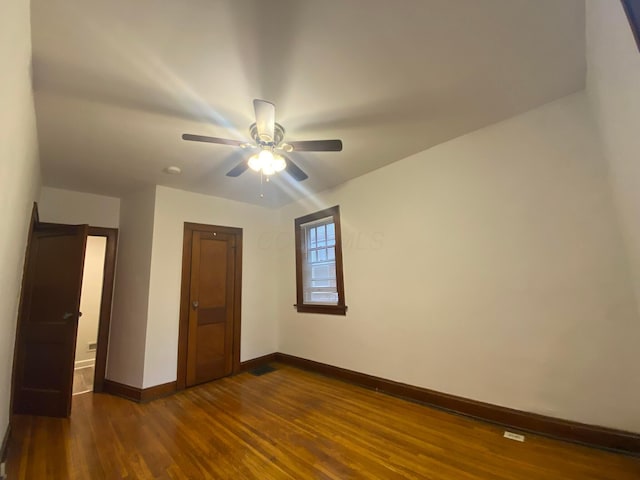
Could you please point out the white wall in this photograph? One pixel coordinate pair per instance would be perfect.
(74, 208)
(489, 267)
(259, 325)
(19, 176)
(90, 300)
(126, 356)
(613, 87)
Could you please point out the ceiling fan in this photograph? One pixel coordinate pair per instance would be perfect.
(268, 139)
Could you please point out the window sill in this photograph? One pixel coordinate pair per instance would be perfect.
(324, 309)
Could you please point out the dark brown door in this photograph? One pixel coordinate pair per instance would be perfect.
(49, 320)
(211, 306)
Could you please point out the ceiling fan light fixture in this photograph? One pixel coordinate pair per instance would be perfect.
(254, 163)
(279, 163)
(268, 169)
(267, 162)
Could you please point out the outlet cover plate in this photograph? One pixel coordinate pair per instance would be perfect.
(514, 436)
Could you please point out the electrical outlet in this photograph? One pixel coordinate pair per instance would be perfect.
(514, 436)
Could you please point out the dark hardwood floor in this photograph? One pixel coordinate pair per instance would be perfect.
(287, 424)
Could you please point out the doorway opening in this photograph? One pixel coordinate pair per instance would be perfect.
(90, 300)
(90, 361)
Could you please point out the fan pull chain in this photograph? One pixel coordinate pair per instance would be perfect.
(263, 179)
(261, 184)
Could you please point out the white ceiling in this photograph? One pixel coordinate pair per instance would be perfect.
(117, 82)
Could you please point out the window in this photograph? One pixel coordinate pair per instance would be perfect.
(320, 287)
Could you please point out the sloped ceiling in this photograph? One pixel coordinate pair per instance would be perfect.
(116, 83)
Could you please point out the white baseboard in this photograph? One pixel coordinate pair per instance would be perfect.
(85, 363)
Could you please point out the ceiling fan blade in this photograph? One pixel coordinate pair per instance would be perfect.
(238, 169)
(201, 138)
(295, 171)
(317, 146)
(265, 119)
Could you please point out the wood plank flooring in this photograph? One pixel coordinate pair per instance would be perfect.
(83, 380)
(288, 424)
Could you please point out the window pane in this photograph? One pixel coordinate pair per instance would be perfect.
(324, 297)
(320, 277)
(322, 237)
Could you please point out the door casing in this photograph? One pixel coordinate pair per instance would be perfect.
(33, 222)
(183, 331)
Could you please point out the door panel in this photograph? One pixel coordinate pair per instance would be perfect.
(211, 353)
(211, 306)
(50, 311)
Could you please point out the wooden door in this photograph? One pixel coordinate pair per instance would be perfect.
(46, 341)
(213, 303)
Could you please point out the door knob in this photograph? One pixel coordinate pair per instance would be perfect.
(68, 315)
(195, 304)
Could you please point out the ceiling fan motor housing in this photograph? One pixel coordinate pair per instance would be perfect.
(278, 136)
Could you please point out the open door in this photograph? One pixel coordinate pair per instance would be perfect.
(46, 340)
